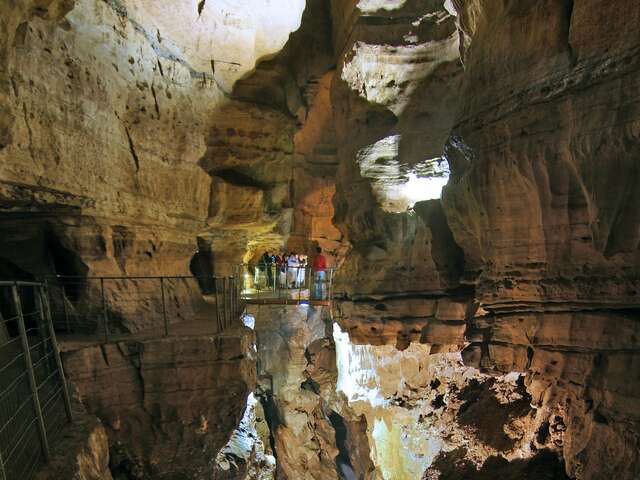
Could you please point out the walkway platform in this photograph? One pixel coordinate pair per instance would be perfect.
(288, 301)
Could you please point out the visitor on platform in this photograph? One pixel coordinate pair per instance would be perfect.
(319, 271)
(302, 267)
(281, 263)
(266, 264)
(292, 270)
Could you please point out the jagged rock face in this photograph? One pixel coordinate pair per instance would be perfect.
(247, 455)
(83, 452)
(341, 410)
(540, 208)
(438, 322)
(542, 201)
(168, 405)
(399, 67)
(304, 438)
(420, 406)
(542, 198)
(108, 108)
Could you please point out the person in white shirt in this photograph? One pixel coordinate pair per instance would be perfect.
(302, 264)
(292, 270)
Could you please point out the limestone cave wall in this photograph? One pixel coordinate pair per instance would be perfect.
(538, 222)
(133, 134)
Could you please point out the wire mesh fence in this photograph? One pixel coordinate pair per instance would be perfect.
(114, 307)
(34, 401)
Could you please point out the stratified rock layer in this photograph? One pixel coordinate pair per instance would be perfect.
(168, 405)
(538, 225)
(82, 453)
(542, 201)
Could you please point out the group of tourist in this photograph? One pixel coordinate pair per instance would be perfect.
(290, 270)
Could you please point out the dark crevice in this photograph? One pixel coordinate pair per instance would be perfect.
(201, 4)
(272, 417)
(237, 178)
(568, 13)
(155, 100)
(343, 460)
(29, 131)
(311, 385)
(134, 155)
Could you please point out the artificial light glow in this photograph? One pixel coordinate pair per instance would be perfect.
(249, 321)
(370, 377)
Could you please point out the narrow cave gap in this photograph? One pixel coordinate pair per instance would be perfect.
(272, 417)
(238, 178)
(568, 14)
(343, 460)
(201, 266)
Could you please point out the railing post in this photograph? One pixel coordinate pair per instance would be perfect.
(105, 313)
(41, 324)
(56, 352)
(330, 292)
(3, 473)
(225, 293)
(64, 308)
(164, 309)
(32, 379)
(218, 306)
(234, 300)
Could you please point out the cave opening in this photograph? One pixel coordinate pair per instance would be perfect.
(236, 177)
(201, 266)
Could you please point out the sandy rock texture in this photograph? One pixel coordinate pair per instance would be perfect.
(82, 453)
(108, 110)
(538, 223)
(337, 409)
(299, 420)
(396, 81)
(168, 405)
(542, 201)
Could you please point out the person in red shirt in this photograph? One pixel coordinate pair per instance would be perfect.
(319, 267)
(320, 262)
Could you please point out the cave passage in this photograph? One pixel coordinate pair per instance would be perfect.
(320, 240)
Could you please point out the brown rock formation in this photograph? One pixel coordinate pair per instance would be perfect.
(120, 151)
(83, 452)
(540, 208)
(299, 420)
(168, 405)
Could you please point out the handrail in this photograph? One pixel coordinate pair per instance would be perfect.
(21, 283)
(112, 307)
(135, 277)
(270, 281)
(31, 373)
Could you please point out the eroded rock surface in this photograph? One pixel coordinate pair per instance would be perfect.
(168, 405)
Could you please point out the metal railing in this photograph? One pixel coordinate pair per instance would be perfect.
(272, 281)
(111, 308)
(34, 400)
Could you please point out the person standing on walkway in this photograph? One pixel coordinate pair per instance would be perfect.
(292, 270)
(302, 268)
(319, 271)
